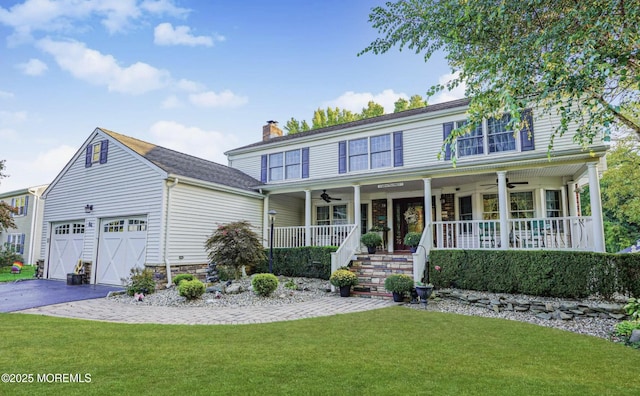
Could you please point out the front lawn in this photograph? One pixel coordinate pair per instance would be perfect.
(26, 273)
(388, 351)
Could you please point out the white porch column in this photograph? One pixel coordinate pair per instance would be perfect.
(503, 208)
(438, 193)
(596, 208)
(265, 221)
(307, 217)
(571, 198)
(356, 211)
(390, 234)
(427, 210)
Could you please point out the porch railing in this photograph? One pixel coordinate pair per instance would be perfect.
(325, 235)
(558, 233)
(345, 252)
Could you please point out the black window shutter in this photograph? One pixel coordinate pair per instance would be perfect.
(26, 205)
(305, 162)
(342, 156)
(87, 158)
(398, 159)
(13, 205)
(22, 244)
(446, 131)
(526, 134)
(263, 168)
(104, 149)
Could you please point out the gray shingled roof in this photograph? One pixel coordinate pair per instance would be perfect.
(407, 113)
(181, 164)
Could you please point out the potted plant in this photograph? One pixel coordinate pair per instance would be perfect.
(399, 285)
(371, 240)
(424, 292)
(344, 279)
(412, 239)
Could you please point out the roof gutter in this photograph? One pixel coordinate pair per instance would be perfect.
(167, 263)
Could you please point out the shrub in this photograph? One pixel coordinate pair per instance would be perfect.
(307, 261)
(291, 285)
(140, 281)
(633, 308)
(191, 289)
(343, 277)
(398, 283)
(8, 256)
(412, 239)
(625, 328)
(179, 278)
(233, 245)
(264, 284)
(371, 239)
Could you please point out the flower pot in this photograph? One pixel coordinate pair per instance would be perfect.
(371, 249)
(424, 292)
(345, 291)
(398, 297)
(413, 249)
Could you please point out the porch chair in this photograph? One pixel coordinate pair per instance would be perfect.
(537, 234)
(488, 233)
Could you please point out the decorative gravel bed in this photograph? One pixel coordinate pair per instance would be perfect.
(309, 289)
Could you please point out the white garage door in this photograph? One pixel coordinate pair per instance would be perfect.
(65, 250)
(122, 246)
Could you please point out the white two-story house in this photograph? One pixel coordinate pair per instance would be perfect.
(505, 190)
(121, 202)
(25, 239)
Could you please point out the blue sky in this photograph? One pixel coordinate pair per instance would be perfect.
(200, 77)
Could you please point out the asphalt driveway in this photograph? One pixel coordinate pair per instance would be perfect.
(16, 296)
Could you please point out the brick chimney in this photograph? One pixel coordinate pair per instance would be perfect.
(271, 130)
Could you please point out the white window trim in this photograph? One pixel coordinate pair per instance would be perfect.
(485, 143)
(284, 166)
(369, 152)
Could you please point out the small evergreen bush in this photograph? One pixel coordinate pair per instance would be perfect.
(140, 281)
(264, 284)
(191, 289)
(398, 283)
(179, 278)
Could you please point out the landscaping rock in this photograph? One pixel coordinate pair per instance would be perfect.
(234, 288)
(635, 336)
(544, 316)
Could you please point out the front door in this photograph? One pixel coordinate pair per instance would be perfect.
(408, 216)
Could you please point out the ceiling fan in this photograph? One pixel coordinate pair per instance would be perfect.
(325, 197)
(509, 184)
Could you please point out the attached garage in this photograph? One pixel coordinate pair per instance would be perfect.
(67, 240)
(121, 247)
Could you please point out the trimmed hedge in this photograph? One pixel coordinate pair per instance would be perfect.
(308, 262)
(538, 272)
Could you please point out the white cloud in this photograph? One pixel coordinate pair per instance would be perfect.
(76, 15)
(355, 101)
(94, 67)
(446, 96)
(34, 67)
(6, 95)
(171, 102)
(209, 145)
(166, 34)
(225, 98)
(28, 170)
(189, 86)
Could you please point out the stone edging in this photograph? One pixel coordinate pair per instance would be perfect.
(563, 310)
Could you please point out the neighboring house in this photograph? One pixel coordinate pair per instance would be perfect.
(505, 191)
(122, 203)
(635, 248)
(26, 237)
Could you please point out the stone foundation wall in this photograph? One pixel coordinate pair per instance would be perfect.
(160, 272)
(565, 310)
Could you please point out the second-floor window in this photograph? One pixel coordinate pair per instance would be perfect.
(21, 205)
(492, 136)
(292, 164)
(96, 153)
(382, 151)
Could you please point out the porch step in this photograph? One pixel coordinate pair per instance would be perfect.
(372, 271)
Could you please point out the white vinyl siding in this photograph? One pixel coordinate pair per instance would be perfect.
(124, 186)
(290, 210)
(196, 212)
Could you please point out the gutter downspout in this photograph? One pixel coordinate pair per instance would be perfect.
(32, 237)
(166, 232)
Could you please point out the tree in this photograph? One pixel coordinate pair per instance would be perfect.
(332, 116)
(294, 126)
(415, 102)
(373, 109)
(235, 245)
(6, 221)
(400, 105)
(576, 58)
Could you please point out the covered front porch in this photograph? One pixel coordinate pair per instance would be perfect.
(535, 208)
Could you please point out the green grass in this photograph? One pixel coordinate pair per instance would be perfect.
(390, 351)
(26, 273)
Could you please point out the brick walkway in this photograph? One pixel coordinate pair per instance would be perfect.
(106, 310)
